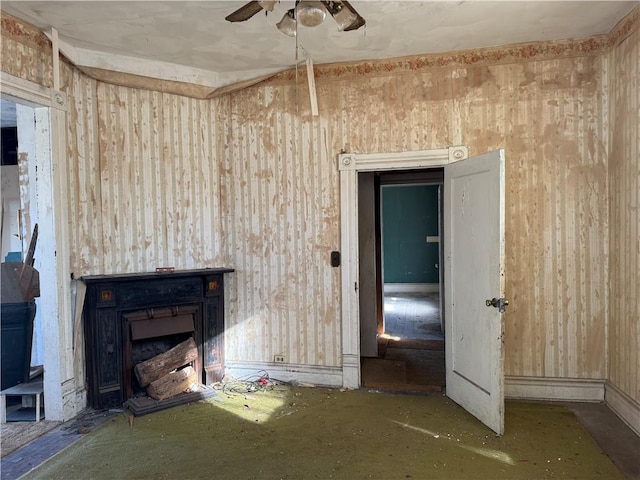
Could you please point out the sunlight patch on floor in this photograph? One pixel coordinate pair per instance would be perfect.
(254, 408)
(253, 401)
(485, 452)
(387, 336)
(418, 307)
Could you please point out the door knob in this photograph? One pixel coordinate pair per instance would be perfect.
(499, 303)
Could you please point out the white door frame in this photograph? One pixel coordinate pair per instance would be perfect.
(349, 164)
(62, 397)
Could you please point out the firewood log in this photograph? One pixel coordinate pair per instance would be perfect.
(163, 364)
(173, 383)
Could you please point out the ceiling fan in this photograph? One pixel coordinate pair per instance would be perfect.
(309, 13)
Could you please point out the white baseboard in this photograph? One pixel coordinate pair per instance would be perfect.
(546, 388)
(74, 402)
(411, 287)
(350, 370)
(531, 388)
(304, 374)
(624, 406)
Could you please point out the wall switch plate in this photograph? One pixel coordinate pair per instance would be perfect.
(335, 259)
(279, 359)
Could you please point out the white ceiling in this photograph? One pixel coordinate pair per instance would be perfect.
(191, 41)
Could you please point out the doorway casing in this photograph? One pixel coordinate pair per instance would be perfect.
(349, 165)
(64, 392)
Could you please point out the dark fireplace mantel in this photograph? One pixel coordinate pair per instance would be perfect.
(110, 302)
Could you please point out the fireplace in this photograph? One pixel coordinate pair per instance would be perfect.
(132, 317)
(150, 332)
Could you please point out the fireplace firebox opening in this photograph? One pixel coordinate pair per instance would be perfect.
(151, 332)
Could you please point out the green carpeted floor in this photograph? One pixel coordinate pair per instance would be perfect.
(317, 433)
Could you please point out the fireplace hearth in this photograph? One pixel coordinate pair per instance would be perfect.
(130, 318)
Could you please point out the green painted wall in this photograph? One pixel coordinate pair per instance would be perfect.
(409, 215)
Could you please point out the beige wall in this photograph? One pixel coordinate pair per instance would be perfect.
(550, 117)
(282, 206)
(144, 179)
(250, 181)
(26, 52)
(624, 212)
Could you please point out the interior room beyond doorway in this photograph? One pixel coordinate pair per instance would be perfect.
(410, 338)
(22, 309)
(410, 225)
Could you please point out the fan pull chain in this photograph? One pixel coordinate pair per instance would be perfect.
(296, 60)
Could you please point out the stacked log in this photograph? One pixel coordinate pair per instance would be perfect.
(169, 373)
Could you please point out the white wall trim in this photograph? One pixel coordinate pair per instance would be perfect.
(308, 374)
(411, 287)
(351, 370)
(349, 164)
(148, 68)
(23, 91)
(173, 72)
(624, 406)
(371, 162)
(350, 277)
(547, 388)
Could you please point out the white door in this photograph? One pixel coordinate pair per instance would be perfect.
(474, 277)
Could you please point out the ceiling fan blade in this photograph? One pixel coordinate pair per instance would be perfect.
(344, 14)
(245, 12)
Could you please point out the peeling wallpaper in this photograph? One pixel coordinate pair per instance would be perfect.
(144, 179)
(282, 210)
(549, 115)
(26, 51)
(624, 213)
(250, 181)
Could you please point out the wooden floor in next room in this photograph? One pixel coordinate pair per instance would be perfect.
(411, 350)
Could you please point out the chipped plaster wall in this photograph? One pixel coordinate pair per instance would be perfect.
(26, 52)
(548, 114)
(624, 193)
(145, 180)
(281, 207)
(250, 181)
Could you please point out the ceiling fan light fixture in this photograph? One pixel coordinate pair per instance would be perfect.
(344, 18)
(267, 4)
(288, 23)
(311, 13)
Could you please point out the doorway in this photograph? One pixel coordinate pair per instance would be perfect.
(350, 166)
(407, 316)
(22, 308)
(10, 220)
(474, 255)
(41, 129)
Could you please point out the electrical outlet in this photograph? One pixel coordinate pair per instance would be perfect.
(279, 359)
